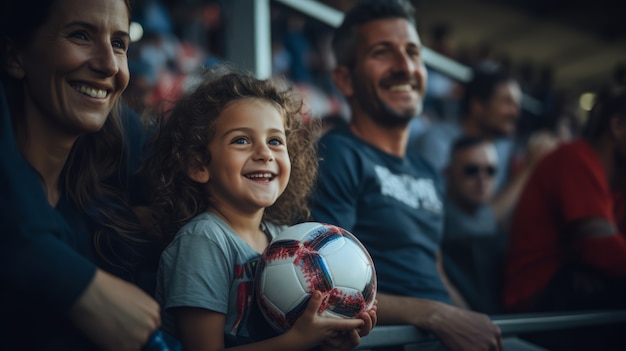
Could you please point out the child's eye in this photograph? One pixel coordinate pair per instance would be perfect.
(240, 140)
(275, 141)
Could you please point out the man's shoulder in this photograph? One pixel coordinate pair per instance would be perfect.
(340, 145)
(339, 135)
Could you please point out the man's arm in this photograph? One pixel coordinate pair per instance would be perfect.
(455, 295)
(504, 201)
(456, 328)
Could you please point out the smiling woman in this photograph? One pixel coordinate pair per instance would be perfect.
(74, 69)
(65, 167)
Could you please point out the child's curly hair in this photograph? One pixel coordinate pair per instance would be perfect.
(183, 135)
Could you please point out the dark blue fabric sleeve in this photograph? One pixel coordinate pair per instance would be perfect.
(335, 197)
(36, 267)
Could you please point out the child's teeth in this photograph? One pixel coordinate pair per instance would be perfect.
(267, 175)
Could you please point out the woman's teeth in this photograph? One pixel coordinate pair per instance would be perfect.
(91, 92)
(403, 87)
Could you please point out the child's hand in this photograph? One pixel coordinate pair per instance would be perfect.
(350, 339)
(369, 319)
(311, 329)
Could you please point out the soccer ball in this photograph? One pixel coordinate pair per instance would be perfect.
(314, 256)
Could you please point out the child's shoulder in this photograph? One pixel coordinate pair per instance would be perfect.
(203, 224)
(272, 229)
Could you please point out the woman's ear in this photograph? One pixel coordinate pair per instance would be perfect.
(343, 80)
(13, 63)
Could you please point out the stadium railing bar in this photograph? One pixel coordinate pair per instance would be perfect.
(511, 326)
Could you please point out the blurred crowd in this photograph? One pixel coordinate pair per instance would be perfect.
(181, 37)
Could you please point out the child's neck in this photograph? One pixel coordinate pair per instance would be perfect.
(246, 225)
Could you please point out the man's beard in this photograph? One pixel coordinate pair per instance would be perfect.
(389, 118)
(384, 115)
(381, 113)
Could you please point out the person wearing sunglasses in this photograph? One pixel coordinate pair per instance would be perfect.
(473, 244)
(471, 173)
(490, 109)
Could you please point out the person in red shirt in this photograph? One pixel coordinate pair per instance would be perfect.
(567, 246)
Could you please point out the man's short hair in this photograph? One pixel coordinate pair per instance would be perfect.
(465, 142)
(364, 11)
(483, 85)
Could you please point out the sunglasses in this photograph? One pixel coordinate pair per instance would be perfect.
(474, 170)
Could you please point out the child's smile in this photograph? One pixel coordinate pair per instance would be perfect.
(250, 141)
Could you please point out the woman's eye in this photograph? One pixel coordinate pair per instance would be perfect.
(119, 44)
(79, 35)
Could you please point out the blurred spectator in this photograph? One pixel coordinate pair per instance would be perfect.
(138, 94)
(567, 249)
(567, 246)
(299, 47)
(491, 107)
(473, 244)
(162, 64)
(618, 81)
(442, 92)
(153, 16)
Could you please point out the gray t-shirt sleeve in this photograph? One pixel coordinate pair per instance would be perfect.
(195, 272)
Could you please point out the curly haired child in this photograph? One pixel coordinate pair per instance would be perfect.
(232, 165)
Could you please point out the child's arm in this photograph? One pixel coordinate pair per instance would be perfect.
(202, 329)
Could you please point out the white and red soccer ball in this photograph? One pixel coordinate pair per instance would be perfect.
(314, 256)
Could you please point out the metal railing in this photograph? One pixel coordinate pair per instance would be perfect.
(511, 325)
